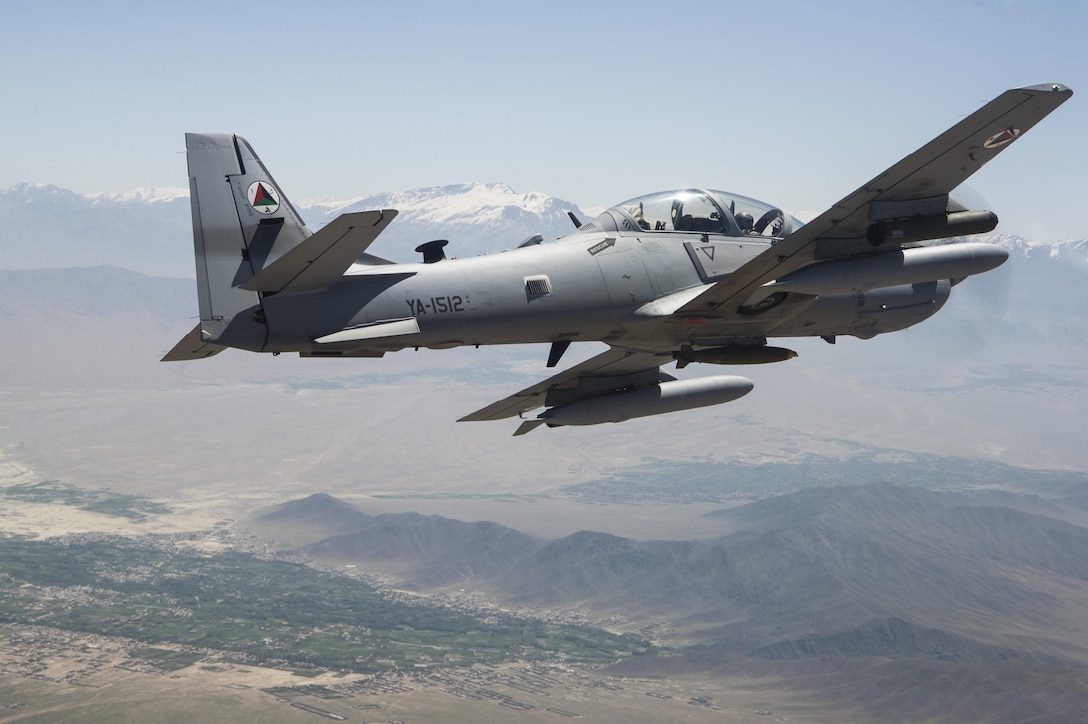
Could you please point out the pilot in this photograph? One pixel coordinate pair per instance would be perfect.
(746, 222)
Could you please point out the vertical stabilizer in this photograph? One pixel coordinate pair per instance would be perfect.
(241, 223)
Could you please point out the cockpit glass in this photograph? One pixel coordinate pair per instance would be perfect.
(710, 212)
(691, 210)
(758, 218)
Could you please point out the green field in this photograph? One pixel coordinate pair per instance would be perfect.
(133, 507)
(267, 612)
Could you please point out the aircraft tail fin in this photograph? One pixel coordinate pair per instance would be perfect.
(241, 224)
(250, 242)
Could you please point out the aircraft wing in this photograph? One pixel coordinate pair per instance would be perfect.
(916, 186)
(612, 370)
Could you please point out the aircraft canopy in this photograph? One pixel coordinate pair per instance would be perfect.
(714, 212)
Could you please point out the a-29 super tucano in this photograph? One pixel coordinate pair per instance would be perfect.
(684, 276)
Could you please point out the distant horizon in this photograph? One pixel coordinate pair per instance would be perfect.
(166, 194)
(791, 102)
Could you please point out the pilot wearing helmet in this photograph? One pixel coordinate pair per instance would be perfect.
(746, 223)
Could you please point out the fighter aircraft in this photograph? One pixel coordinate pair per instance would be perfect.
(686, 276)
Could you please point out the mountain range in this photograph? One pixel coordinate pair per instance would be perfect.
(938, 587)
(149, 230)
(795, 572)
(475, 218)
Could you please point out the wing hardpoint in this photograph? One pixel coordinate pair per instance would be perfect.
(916, 186)
(609, 371)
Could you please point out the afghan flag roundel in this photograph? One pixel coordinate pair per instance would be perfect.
(263, 197)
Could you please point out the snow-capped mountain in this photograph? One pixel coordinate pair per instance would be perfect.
(149, 230)
(471, 203)
(476, 218)
(1072, 251)
(144, 195)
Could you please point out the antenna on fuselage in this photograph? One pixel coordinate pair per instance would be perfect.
(432, 250)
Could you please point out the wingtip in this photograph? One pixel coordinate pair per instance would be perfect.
(1048, 87)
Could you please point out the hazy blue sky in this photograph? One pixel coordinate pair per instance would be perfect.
(791, 101)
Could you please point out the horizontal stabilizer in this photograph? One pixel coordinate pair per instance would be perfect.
(322, 259)
(528, 426)
(192, 346)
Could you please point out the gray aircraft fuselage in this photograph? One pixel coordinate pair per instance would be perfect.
(593, 297)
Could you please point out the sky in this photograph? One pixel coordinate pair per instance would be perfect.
(795, 102)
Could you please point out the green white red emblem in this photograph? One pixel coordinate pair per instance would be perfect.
(263, 198)
(1000, 139)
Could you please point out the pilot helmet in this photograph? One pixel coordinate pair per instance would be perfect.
(745, 221)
